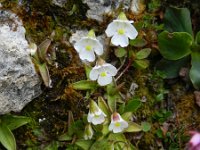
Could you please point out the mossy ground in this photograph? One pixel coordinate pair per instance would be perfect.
(171, 118)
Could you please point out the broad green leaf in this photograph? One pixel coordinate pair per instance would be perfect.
(84, 144)
(120, 52)
(138, 42)
(65, 137)
(174, 46)
(76, 128)
(111, 100)
(146, 126)
(132, 105)
(52, 146)
(103, 144)
(171, 68)
(144, 53)
(44, 72)
(197, 38)
(195, 70)
(178, 20)
(7, 138)
(104, 107)
(121, 108)
(133, 127)
(141, 64)
(13, 122)
(111, 89)
(84, 85)
(119, 139)
(112, 96)
(127, 115)
(105, 129)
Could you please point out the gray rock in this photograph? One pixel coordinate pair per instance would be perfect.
(98, 8)
(19, 83)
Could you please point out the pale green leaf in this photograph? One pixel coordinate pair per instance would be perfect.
(144, 53)
(133, 105)
(84, 85)
(84, 144)
(138, 42)
(146, 126)
(44, 72)
(13, 122)
(133, 127)
(104, 107)
(120, 52)
(141, 64)
(7, 138)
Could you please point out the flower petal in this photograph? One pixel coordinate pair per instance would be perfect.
(98, 48)
(87, 55)
(130, 31)
(112, 70)
(117, 129)
(89, 117)
(124, 124)
(121, 40)
(98, 120)
(104, 80)
(195, 140)
(112, 28)
(94, 73)
(79, 46)
(111, 126)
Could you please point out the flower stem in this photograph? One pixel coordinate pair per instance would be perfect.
(127, 67)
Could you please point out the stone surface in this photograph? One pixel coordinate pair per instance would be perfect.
(98, 8)
(19, 83)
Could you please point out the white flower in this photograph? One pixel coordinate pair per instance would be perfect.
(117, 123)
(103, 73)
(88, 46)
(120, 30)
(33, 49)
(88, 134)
(95, 115)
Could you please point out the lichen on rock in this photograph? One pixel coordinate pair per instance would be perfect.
(19, 83)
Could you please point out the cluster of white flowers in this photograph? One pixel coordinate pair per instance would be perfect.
(120, 31)
(97, 116)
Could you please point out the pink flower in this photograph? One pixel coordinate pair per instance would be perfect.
(194, 143)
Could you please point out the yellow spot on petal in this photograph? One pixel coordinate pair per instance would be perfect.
(117, 124)
(88, 48)
(96, 116)
(103, 74)
(120, 31)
